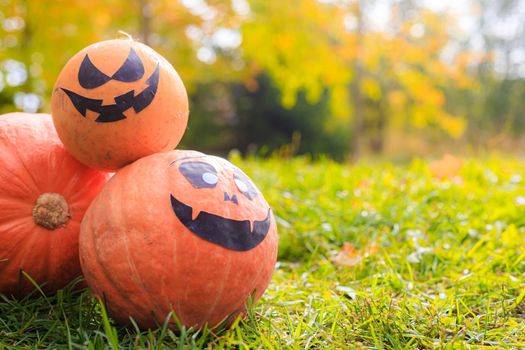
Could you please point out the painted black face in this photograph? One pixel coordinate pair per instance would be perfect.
(228, 233)
(90, 77)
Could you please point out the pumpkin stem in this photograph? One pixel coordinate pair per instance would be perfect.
(121, 32)
(51, 211)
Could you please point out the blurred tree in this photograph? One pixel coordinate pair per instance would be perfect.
(199, 38)
(36, 49)
(256, 122)
(317, 57)
(499, 104)
(377, 77)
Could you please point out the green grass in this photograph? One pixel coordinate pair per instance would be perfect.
(449, 271)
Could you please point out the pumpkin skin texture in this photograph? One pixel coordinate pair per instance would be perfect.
(146, 255)
(116, 101)
(44, 193)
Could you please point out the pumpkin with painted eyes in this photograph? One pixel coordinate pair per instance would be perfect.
(117, 101)
(179, 231)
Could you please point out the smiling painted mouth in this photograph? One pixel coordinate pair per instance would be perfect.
(115, 112)
(228, 233)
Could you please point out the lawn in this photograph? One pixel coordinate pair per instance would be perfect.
(371, 256)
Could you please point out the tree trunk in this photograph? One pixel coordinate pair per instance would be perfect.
(145, 10)
(377, 143)
(355, 90)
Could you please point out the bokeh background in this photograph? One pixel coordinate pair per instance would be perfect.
(338, 78)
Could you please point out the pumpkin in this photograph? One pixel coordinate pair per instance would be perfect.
(117, 101)
(179, 231)
(44, 193)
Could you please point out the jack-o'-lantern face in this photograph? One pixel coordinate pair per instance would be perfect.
(178, 233)
(132, 70)
(216, 201)
(116, 101)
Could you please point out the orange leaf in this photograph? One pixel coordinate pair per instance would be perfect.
(446, 168)
(350, 256)
(371, 249)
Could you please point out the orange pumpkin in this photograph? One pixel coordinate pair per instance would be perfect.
(195, 237)
(117, 101)
(44, 193)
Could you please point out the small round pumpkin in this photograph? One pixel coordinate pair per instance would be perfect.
(44, 193)
(117, 101)
(179, 231)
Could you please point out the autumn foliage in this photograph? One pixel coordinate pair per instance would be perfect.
(349, 75)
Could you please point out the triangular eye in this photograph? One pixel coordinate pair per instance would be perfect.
(131, 70)
(89, 76)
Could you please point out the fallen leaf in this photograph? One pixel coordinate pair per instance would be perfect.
(447, 167)
(371, 249)
(363, 184)
(350, 256)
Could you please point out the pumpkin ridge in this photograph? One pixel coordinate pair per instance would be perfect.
(28, 246)
(28, 173)
(13, 211)
(175, 264)
(97, 266)
(58, 266)
(220, 290)
(77, 195)
(138, 279)
(255, 282)
(23, 202)
(74, 180)
(49, 266)
(110, 282)
(17, 179)
(23, 221)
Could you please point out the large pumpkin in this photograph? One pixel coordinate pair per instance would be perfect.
(44, 193)
(178, 231)
(117, 101)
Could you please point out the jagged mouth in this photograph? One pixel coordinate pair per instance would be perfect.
(115, 112)
(228, 233)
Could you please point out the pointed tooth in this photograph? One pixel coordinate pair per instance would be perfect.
(194, 213)
(252, 225)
